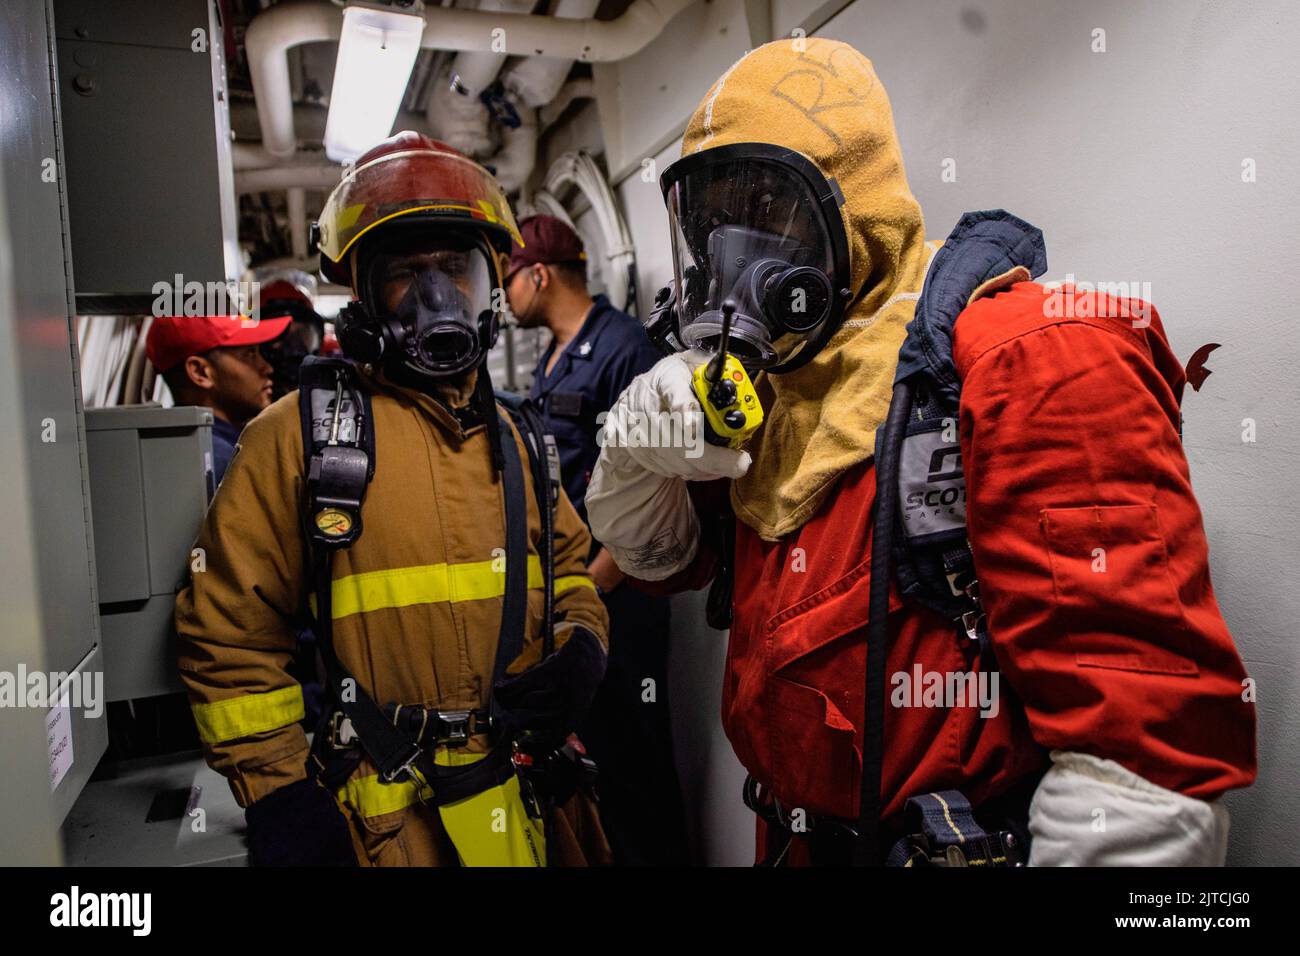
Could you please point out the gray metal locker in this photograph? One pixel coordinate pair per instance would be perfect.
(150, 177)
(51, 625)
(150, 481)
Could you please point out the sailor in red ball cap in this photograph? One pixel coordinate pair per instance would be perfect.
(215, 361)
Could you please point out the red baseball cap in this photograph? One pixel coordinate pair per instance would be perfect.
(546, 240)
(174, 338)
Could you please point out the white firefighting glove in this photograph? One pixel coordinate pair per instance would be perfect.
(652, 443)
(1088, 811)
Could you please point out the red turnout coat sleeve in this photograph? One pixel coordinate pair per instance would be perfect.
(1088, 542)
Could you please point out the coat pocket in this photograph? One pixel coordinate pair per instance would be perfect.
(812, 753)
(811, 700)
(1118, 604)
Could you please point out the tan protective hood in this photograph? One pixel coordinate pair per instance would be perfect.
(823, 99)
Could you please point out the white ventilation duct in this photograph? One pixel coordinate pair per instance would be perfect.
(579, 170)
(474, 72)
(459, 121)
(580, 89)
(537, 79)
(274, 31)
(514, 163)
(454, 111)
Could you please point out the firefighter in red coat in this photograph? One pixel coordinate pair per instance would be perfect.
(1096, 707)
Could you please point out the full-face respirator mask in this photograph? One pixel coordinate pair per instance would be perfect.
(440, 327)
(759, 227)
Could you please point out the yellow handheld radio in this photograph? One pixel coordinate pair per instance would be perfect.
(732, 412)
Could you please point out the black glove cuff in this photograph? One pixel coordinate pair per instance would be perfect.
(554, 695)
(298, 825)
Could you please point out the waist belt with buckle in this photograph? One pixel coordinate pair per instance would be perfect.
(941, 831)
(429, 727)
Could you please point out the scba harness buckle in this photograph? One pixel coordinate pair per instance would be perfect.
(405, 768)
(945, 833)
(1001, 849)
(340, 734)
(431, 727)
(454, 727)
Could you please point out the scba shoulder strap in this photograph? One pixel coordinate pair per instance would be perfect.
(338, 444)
(929, 547)
(544, 464)
(920, 521)
(932, 557)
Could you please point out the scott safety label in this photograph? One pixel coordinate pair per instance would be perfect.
(931, 485)
(322, 417)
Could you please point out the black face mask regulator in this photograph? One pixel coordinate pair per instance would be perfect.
(432, 335)
(771, 293)
(757, 225)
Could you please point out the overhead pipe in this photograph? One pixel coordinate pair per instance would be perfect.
(297, 205)
(270, 36)
(247, 156)
(454, 112)
(457, 120)
(457, 116)
(308, 124)
(514, 163)
(537, 79)
(473, 72)
(528, 34)
(322, 176)
(274, 31)
(583, 88)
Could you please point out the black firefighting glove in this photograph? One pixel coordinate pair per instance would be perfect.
(298, 825)
(549, 700)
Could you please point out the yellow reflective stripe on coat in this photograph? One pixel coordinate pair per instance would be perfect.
(248, 714)
(490, 828)
(566, 581)
(432, 584)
